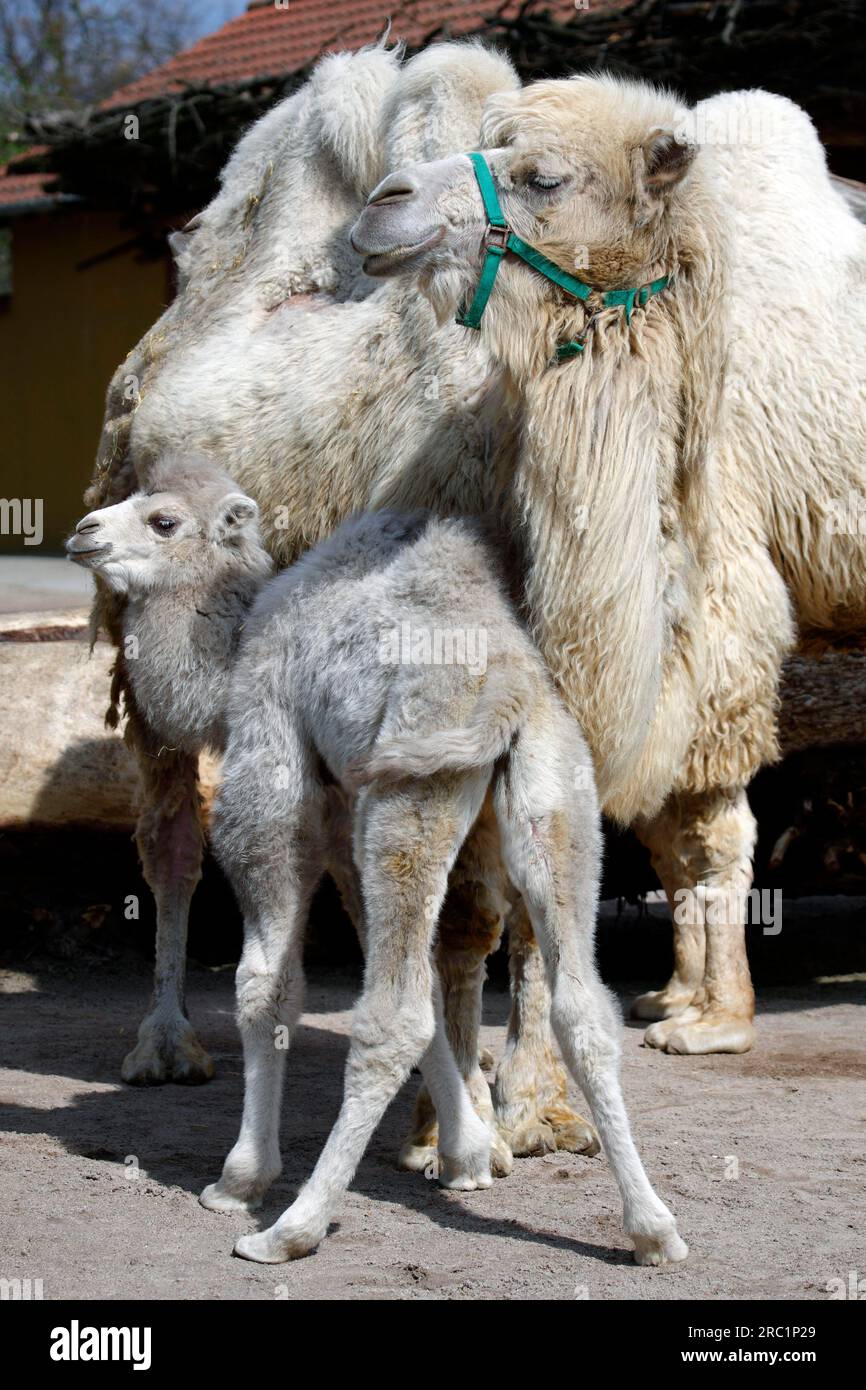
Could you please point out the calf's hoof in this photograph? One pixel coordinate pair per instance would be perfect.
(263, 1250)
(285, 1240)
(217, 1198)
(466, 1173)
(669, 1248)
(167, 1054)
(424, 1158)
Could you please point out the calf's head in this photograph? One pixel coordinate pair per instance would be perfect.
(191, 520)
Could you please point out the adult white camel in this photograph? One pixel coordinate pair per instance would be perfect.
(327, 393)
(688, 352)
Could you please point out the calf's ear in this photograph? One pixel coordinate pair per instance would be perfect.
(235, 514)
(666, 161)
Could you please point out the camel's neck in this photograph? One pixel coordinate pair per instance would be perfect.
(179, 646)
(609, 489)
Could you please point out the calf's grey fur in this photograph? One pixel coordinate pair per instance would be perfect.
(185, 590)
(320, 696)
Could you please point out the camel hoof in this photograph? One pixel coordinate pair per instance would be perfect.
(532, 1139)
(165, 1054)
(546, 1132)
(261, 1248)
(417, 1158)
(577, 1137)
(289, 1239)
(501, 1157)
(466, 1174)
(424, 1158)
(659, 1004)
(657, 1034)
(712, 1034)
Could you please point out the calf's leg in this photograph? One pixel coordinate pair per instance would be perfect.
(530, 1093)
(552, 849)
(270, 841)
(470, 927)
(406, 845)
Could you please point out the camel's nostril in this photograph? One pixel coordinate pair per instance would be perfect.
(394, 195)
(394, 189)
(88, 524)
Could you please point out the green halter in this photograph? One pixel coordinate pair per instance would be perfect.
(497, 227)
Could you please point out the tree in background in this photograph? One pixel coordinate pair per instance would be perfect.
(70, 54)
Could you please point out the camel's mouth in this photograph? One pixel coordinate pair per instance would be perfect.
(85, 554)
(381, 263)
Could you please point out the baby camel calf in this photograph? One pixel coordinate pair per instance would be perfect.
(343, 676)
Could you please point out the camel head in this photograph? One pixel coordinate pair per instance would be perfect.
(191, 522)
(587, 171)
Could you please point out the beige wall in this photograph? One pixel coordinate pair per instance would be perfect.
(63, 331)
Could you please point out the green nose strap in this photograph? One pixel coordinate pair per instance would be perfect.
(499, 238)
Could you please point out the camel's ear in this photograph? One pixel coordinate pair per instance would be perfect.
(666, 161)
(236, 514)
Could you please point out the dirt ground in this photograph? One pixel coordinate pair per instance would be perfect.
(762, 1158)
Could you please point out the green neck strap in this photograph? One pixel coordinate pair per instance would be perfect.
(499, 238)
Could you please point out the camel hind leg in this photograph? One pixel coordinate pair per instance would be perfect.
(528, 1111)
(530, 1093)
(551, 841)
(470, 927)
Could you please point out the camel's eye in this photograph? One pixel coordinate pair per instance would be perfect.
(163, 525)
(545, 181)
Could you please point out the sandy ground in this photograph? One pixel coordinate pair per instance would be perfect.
(761, 1157)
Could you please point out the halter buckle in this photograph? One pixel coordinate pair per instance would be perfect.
(490, 235)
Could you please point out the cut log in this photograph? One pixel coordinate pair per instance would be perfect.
(60, 765)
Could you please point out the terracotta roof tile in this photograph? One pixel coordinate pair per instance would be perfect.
(269, 39)
(18, 189)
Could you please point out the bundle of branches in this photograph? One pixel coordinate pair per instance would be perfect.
(814, 54)
(157, 159)
(169, 163)
(812, 816)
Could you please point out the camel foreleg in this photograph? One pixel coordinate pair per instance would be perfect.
(706, 871)
(169, 839)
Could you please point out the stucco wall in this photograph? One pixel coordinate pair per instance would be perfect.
(63, 330)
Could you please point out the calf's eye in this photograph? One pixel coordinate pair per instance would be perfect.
(163, 525)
